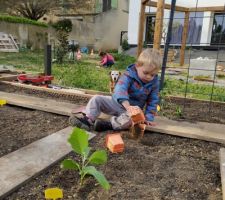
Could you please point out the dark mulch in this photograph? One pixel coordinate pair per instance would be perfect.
(20, 127)
(157, 167)
(194, 110)
(191, 110)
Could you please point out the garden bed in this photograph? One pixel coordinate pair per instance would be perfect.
(157, 167)
(20, 127)
(174, 107)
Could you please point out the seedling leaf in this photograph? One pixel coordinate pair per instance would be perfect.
(78, 140)
(98, 157)
(86, 152)
(69, 164)
(98, 176)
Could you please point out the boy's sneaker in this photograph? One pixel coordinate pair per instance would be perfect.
(101, 125)
(80, 122)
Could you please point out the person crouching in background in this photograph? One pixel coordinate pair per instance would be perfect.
(107, 59)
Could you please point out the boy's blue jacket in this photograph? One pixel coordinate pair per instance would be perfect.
(129, 87)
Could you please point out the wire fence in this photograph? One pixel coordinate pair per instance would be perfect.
(202, 77)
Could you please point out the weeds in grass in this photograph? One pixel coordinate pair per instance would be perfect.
(84, 74)
(178, 112)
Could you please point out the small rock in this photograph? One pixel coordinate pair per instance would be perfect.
(218, 189)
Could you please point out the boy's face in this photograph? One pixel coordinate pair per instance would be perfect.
(146, 73)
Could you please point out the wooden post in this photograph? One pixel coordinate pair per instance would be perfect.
(184, 38)
(141, 28)
(158, 24)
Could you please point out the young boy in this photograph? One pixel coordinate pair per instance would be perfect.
(107, 59)
(138, 86)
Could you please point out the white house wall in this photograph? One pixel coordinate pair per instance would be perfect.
(133, 21)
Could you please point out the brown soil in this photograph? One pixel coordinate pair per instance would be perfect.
(20, 127)
(194, 110)
(191, 110)
(158, 167)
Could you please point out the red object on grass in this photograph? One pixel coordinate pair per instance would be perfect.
(34, 78)
(114, 143)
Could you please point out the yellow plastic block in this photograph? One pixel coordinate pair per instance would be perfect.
(53, 193)
(2, 102)
(158, 108)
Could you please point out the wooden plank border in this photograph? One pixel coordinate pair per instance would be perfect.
(222, 170)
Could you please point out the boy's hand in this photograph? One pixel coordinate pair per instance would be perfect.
(126, 105)
(130, 108)
(149, 123)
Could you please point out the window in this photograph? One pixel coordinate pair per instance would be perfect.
(105, 5)
(150, 27)
(194, 28)
(218, 30)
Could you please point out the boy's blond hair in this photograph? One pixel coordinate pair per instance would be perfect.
(151, 57)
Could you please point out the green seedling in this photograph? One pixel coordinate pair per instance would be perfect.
(179, 111)
(79, 143)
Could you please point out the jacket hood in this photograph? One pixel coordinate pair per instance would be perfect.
(132, 72)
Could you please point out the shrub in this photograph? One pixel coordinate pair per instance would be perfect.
(62, 47)
(21, 20)
(125, 45)
(63, 25)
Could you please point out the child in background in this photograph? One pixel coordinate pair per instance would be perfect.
(107, 60)
(138, 86)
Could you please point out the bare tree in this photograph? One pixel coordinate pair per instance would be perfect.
(32, 9)
(35, 9)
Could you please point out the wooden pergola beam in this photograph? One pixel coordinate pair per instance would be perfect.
(168, 6)
(144, 1)
(185, 9)
(141, 28)
(158, 24)
(184, 38)
(206, 9)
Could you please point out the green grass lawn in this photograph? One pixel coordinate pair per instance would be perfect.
(85, 74)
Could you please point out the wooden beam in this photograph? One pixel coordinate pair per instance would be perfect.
(158, 24)
(185, 9)
(205, 9)
(168, 6)
(222, 170)
(199, 130)
(32, 159)
(141, 28)
(144, 1)
(184, 38)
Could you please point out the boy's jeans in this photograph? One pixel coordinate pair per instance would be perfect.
(107, 105)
